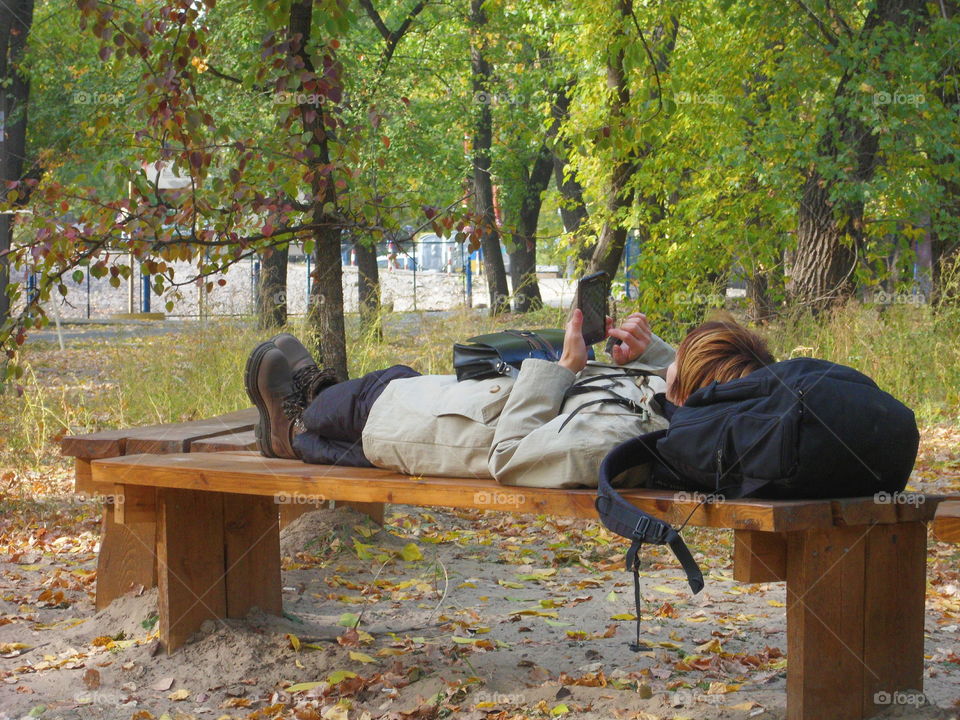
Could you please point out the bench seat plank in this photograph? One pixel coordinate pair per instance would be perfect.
(252, 474)
(175, 437)
(946, 524)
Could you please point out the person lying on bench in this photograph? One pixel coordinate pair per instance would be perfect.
(549, 427)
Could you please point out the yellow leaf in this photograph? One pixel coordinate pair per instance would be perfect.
(775, 603)
(721, 688)
(411, 552)
(713, 646)
(623, 616)
(559, 710)
(748, 705)
(466, 584)
(361, 657)
(666, 590)
(12, 647)
(294, 642)
(181, 694)
(537, 613)
(510, 584)
(338, 675)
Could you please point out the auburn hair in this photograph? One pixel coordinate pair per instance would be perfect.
(720, 351)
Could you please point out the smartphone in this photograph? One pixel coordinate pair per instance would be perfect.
(593, 292)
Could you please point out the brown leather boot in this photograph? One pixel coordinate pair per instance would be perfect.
(269, 382)
(308, 379)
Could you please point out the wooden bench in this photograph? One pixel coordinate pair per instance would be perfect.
(946, 523)
(200, 520)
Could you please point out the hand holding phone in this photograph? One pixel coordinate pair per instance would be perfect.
(593, 292)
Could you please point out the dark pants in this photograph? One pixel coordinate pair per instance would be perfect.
(334, 420)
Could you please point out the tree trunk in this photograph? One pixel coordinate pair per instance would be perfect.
(573, 210)
(368, 285)
(613, 236)
(326, 292)
(16, 19)
(523, 258)
(483, 185)
(829, 237)
(272, 293)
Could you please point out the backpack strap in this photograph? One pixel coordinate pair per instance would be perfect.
(631, 522)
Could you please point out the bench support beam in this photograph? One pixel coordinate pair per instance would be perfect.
(855, 604)
(218, 557)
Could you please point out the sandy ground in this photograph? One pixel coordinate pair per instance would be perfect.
(489, 616)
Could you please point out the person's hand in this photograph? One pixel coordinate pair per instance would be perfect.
(634, 334)
(574, 357)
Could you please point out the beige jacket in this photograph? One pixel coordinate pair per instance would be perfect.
(510, 429)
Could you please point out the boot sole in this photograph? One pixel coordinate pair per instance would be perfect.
(262, 427)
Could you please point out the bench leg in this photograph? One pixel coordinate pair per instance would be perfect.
(372, 510)
(855, 604)
(126, 557)
(252, 554)
(190, 554)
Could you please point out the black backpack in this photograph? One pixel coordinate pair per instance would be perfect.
(802, 428)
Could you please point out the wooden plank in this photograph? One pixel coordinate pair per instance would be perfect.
(759, 557)
(190, 563)
(252, 554)
(946, 524)
(885, 508)
(178, 437)
(825, 594)
(233, 442)
(83, 478)
(126, 560)
(252, 474)
(135, 504)
(896, 574)
(290, 512)
(173, 437)
(374, 511)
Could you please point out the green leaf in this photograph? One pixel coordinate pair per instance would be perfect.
(411, 552)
